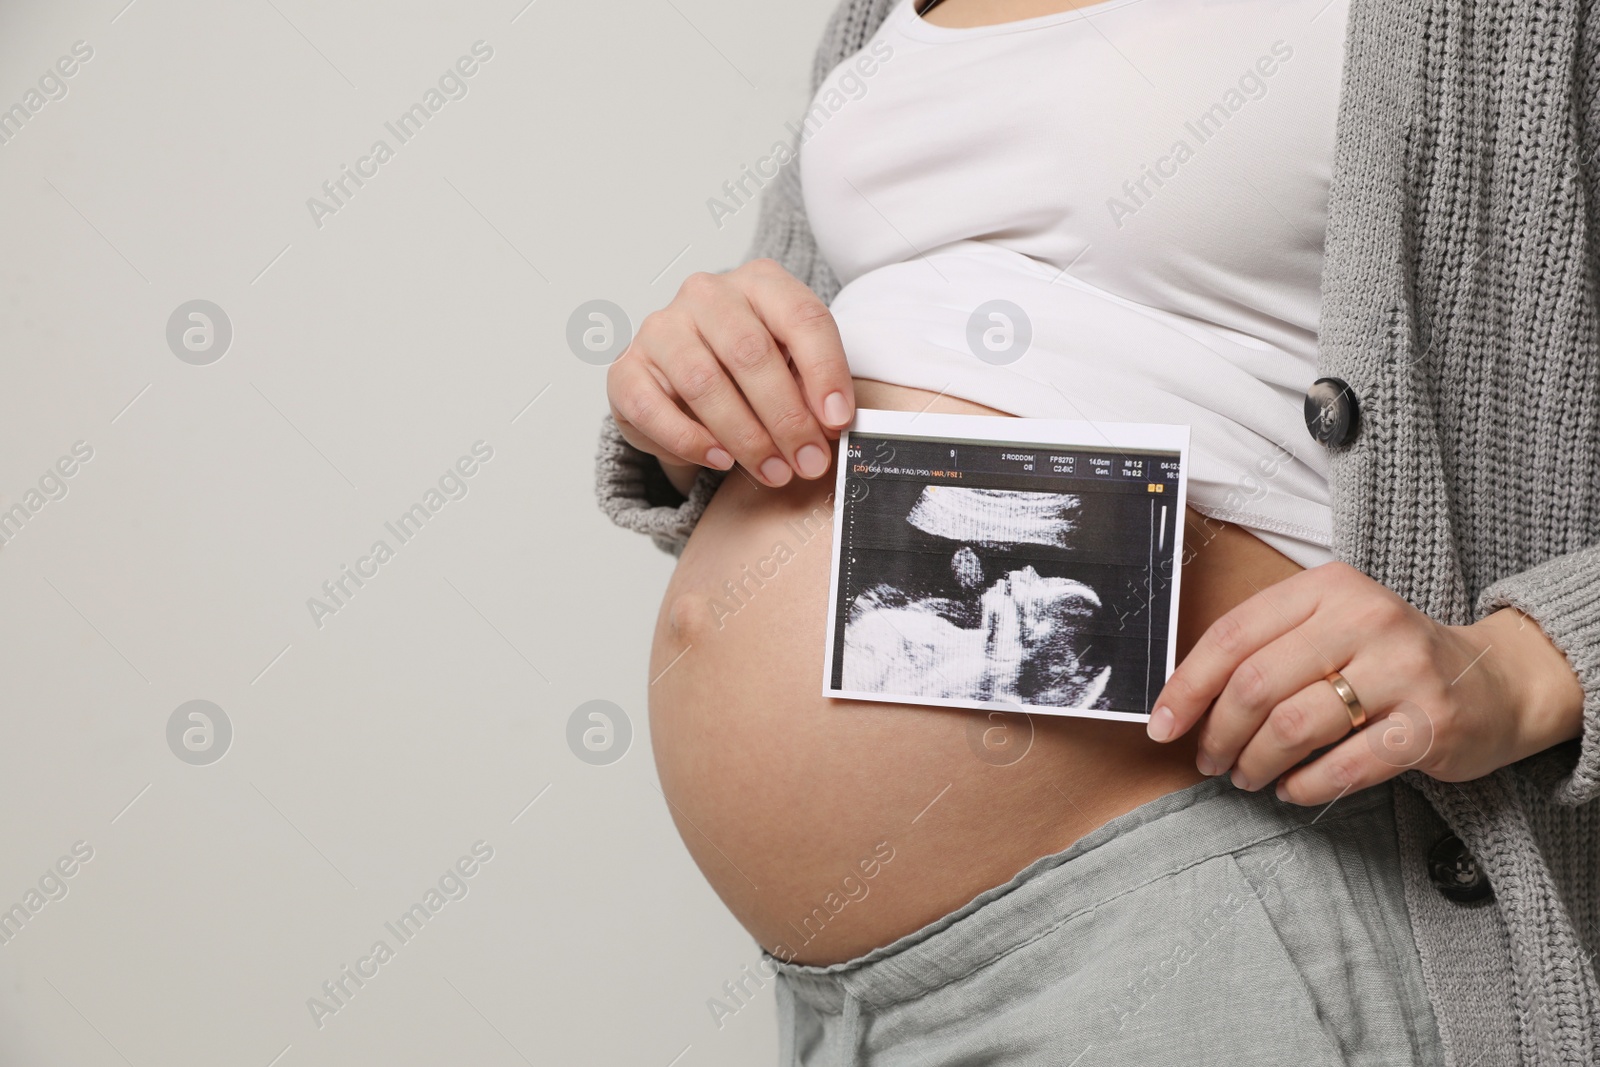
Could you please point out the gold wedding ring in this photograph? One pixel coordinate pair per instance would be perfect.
(1352, 704)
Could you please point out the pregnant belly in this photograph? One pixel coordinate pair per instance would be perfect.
(831, 827)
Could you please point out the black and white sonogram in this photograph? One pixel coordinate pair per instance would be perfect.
(977, 571)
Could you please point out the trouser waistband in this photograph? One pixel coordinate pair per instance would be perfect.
(1159, 838)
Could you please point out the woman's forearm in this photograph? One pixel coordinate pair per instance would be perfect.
(1550, 699)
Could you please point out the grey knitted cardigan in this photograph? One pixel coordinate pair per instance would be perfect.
(1461, 302)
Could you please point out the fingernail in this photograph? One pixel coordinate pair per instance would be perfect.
(1162, 723)
(812, 460)
(1282, 792)
(1206, 767)
(836, 409)
(719, 459)
(1239, 781)
(775, 470)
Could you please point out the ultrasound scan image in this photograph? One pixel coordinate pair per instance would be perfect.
(1002, 595)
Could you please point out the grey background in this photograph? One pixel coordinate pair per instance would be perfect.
(369, 754)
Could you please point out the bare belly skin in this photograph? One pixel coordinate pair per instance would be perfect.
(831, 827)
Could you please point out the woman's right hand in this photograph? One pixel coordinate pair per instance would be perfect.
(742, 367)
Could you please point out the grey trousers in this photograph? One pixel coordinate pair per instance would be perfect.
(1209, 926)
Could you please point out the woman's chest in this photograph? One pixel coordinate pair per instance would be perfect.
(1163, 150)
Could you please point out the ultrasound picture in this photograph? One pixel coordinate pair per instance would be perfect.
(982, 622)
(1055, 600)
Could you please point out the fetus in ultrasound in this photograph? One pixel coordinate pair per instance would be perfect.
(967, 614)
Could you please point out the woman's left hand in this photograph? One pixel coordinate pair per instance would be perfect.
(1455, 702)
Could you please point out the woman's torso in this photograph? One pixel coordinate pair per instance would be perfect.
(830, 827)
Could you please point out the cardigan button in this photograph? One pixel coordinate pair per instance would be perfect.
(1331, 412)
(1455, 873)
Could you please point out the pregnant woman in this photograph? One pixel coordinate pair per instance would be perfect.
(1351, 245)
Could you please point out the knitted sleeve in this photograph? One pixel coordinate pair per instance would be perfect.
(633, 490)
(1563, 596)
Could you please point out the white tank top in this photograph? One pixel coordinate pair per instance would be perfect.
(1141, 184)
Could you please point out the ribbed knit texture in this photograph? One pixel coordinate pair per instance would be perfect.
(1461, 302)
